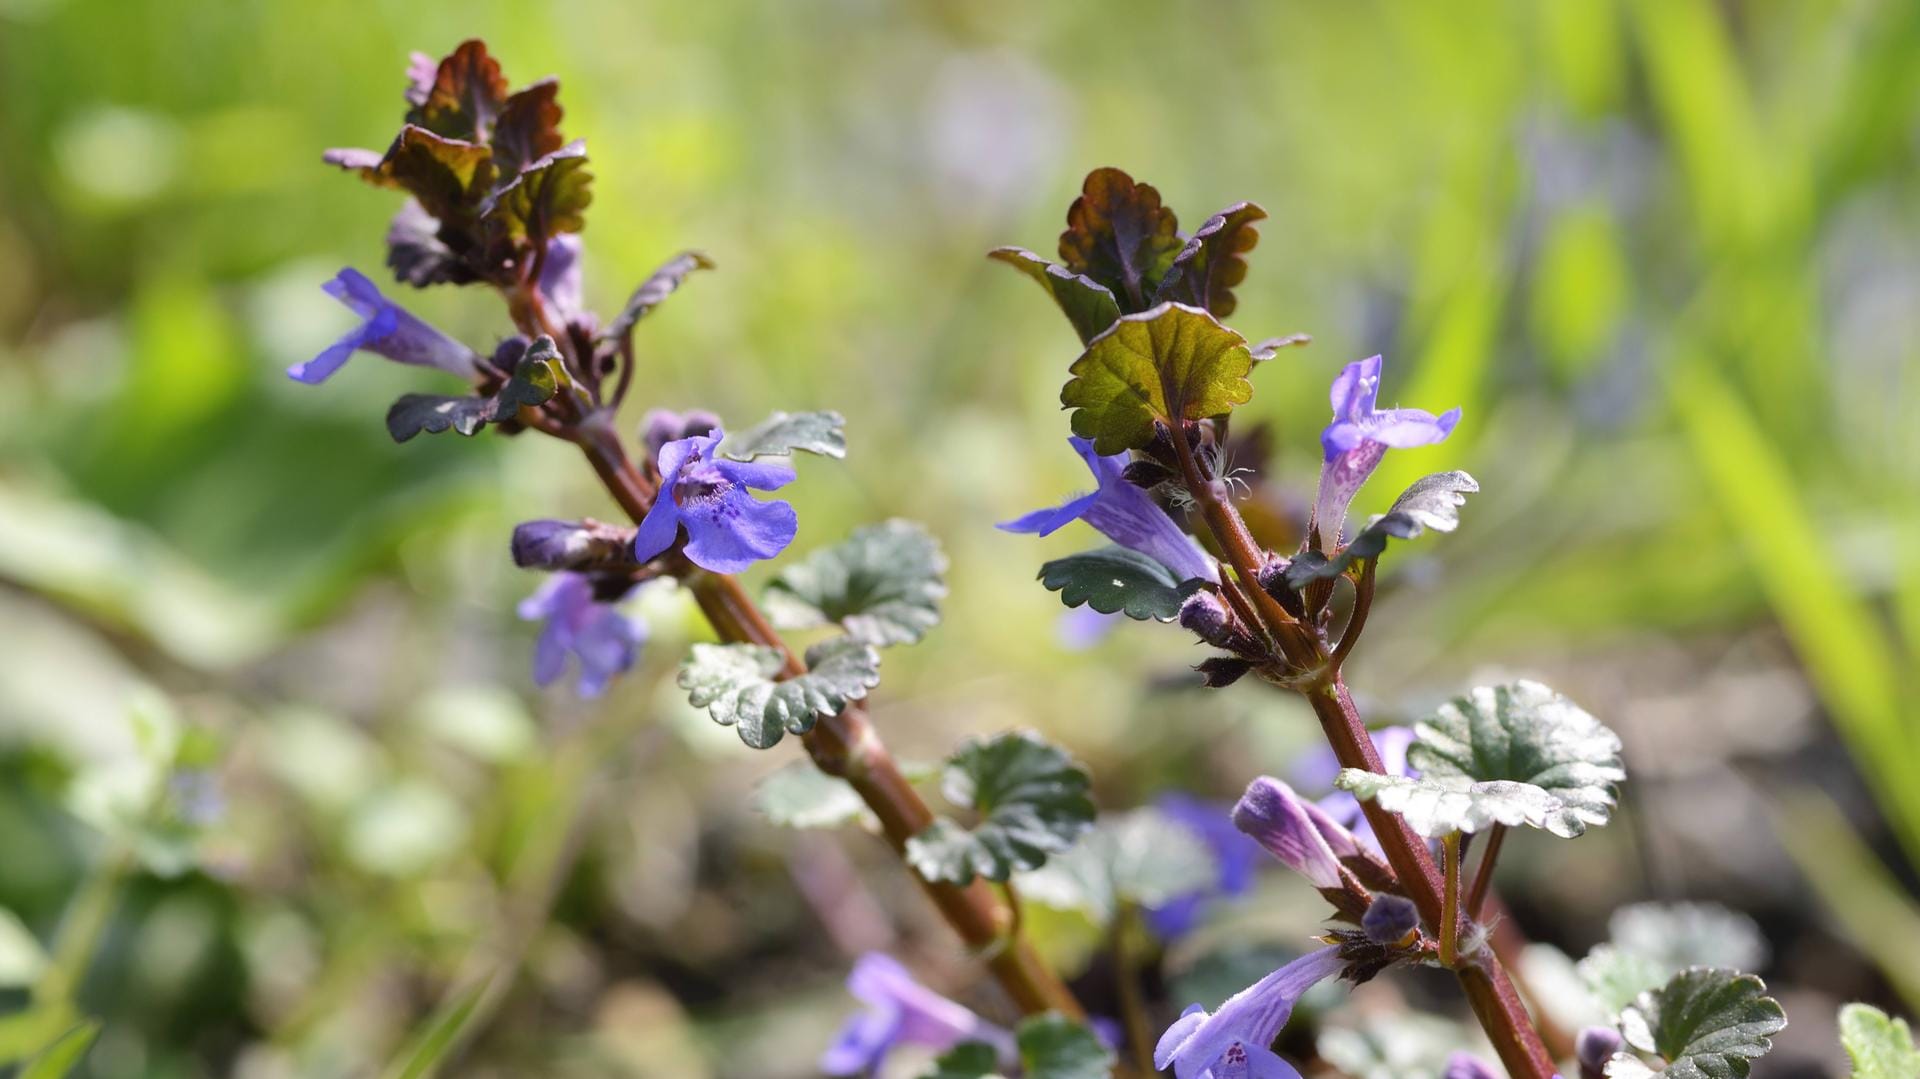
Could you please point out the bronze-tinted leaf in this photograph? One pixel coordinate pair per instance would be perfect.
(1087, 304)
(1120, 235)
(1206, 270)
(447, 176)
(1161, 366)
(528, 128)
(468, 93)
(548, 197)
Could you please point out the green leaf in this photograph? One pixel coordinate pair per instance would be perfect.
(802, 796)
(659, 285)
(1086, 303)
(1120, 235)
(449, 177)
(1161, 366)
(468, 92)
(1032, 799)
(785, 433)
(1616, 975)
(1055, 1047)
(883, 585)
(1705, 1023)
(1880, 1046)
(1142, 858)
(1649, 942)
(535, 380)
(1431, 502)
(1213, 261)
(426, 1049)
(528, 128)
(548, 197)
(736, 684)
(60, 1058)
(1118, 579)
(968, 1060)
(1512, 754)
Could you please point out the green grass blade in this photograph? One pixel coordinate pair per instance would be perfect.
(60, 1058)
(437, 1037)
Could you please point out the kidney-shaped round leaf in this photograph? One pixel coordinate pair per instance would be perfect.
(785, 433)
(1117, 579)
(1166, 364)
(1032, 799)
(1512, 754)
(735, 684)
(1880, 1046)
(1705, 1023)
(883, 585)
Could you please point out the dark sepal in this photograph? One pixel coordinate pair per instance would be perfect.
(1147, 474)
(535, 380)
(1219, 672)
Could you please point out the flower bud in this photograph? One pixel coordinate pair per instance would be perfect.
(662, 426)
(1594, 1047)
(1390, 919)
(572, 545)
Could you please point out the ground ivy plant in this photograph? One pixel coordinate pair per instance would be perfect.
(495, 196)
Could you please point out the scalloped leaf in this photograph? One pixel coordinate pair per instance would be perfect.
(1141, 857)
(883, 585)
(528, 127)
(1705, 1023)
(449, 177)
(1032, 799)
(1432, 502)
(547, 197)
(1512, 754)
(535, 380)
(467, 93)
(800, 795)
(1214, 261)
(659, 285)
(1118, 579)
(1880, 1046)
(736, 684)
(1051, 1046)
(1055, 1047)
(1088, 305)
(1161, 366)
(786, 433)
(1120, 235)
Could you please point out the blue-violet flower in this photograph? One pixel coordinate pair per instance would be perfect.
(385, 329)
(901, 1011)
(1359, 436)
(727, 528)
(605, 641)
(1123, 513)
(1232, 1043)
(1295, 831)
(1234, 854)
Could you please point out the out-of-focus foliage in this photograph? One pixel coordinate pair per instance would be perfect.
(278, 799)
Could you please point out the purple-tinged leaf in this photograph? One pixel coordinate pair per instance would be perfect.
(1120, 235)
(1213, 261)
(467, 93)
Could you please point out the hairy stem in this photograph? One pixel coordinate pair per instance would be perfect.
(1450, 903)
(1482, 880)
(846, 745)
(1490, 991)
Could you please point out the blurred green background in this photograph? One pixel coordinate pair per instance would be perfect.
(274, 783)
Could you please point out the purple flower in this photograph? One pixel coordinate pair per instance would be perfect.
(1594, 1047)
(1124, 514)
(1232, 1042)
(1295, 831)
(1233, 852)
(387, 330)
(560, 277)
(901, 1011)
(1359, 436)
(605, 641)
(727, 528)
(1468, 1066)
